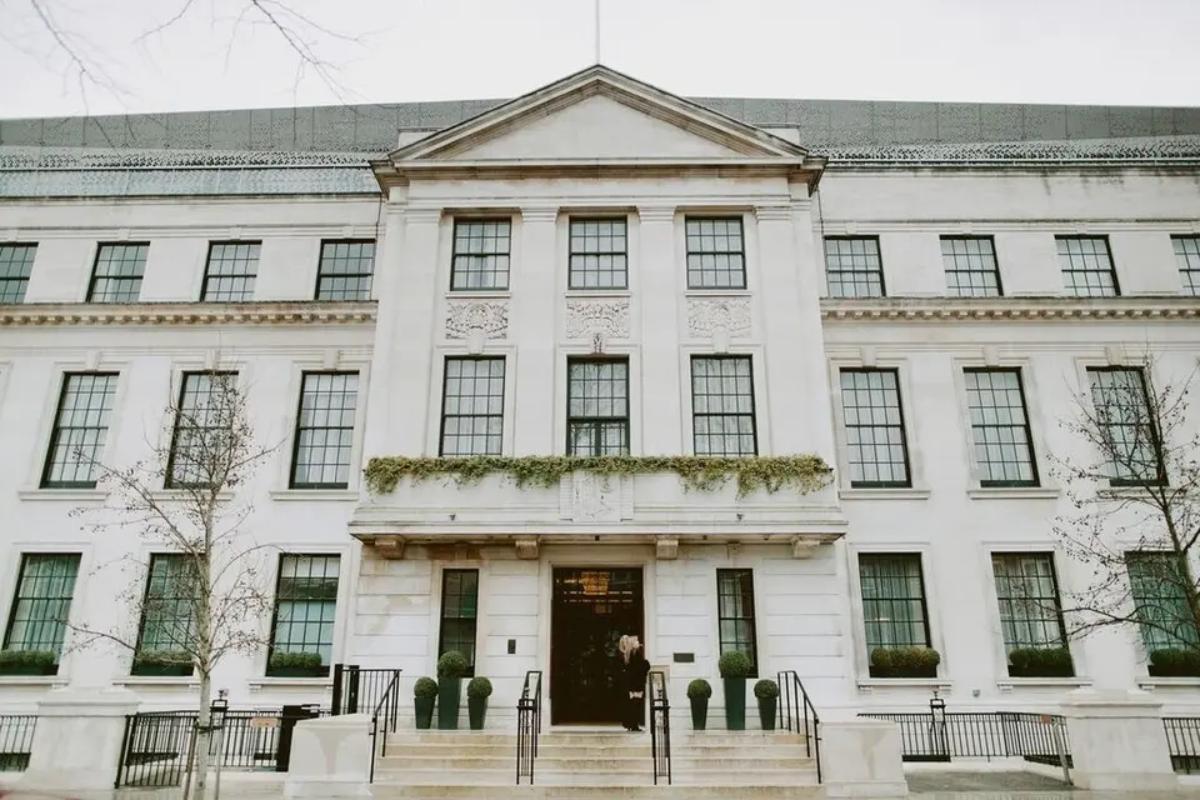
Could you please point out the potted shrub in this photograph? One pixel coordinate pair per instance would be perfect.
(478, 692)
(162, 662)
(735, 667)
(698, 692)
(904, 662)
(28, 662)
(1040, 662)
(296, 665)
(767, 692)
(451, 667)
(425, 690)
(1171, 662)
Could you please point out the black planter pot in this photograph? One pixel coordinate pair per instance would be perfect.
(699, 713)
(1064, 671)
(423, 711)
(177, 670)
(766, 714)
(735, 703)
(477, 711)
(892, 672)
(29, 669)
(299, 672)
(449, 694)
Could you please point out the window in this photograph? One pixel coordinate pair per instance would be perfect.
(460, 609)
(1087, 266)
(735, 613)
(16, 264)
(117, 275)
(168, 625)
(723, 406)
(893, 596)
(598, 254)
(229, 276)
(1000, 427)
(853, 267)
(481, 254)
(597, 407)
(970, 263)
(473, 407)
(207, 407)
(79, 430)
(1187, 255)
(42, 603)
(716, 253)
(1158, 587)
(877, 452)
(1123, 409)
(325, 430)
(305, 606)
(345, 270)
(1027, 591)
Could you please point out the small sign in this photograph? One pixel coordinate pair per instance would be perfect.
(512, 646)
(683, 658)
(264, 722)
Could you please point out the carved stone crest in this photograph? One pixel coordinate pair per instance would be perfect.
(483, 319)
(718, 316)
(586, 318)
(585, 497)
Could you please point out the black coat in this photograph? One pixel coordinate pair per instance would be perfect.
(635, 671)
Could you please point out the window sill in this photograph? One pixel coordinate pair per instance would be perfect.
(1013, 493)
(884, 494)
(718, 290)
(1182, 682)
(53, 681)
(867, 685)
(489, 294)
(343, 495)
(169, 681)
(597, 292)
(1008, 684)
(268, 683)
(70, 495)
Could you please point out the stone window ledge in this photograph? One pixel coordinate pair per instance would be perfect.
(478, 294)
(1013, 493)
(884, 494)
(52, 681)
(596, 293)
(868, 685)
(168, 681)
(718, 291)
(1183, 682)
(269, 683)
(1008, 684)
(344, 495)
(64, 495)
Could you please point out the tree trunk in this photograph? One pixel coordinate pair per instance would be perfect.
(204, 718)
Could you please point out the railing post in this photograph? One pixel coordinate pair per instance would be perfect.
(937, 725)
(336, 705)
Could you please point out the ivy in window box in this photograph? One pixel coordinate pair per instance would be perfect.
(296, 665)
(162, 663)
(904, 662)
(1175, 662)
(1040, 662)
(28, 662)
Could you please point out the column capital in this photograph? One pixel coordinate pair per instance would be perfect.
(779, 213)
(539, 213)
(656, 213)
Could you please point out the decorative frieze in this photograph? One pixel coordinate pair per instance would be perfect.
(718, 316)
(998, 309)
(586, 318)
(269, 313)
(482, 319)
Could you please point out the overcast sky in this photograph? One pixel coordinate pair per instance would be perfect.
(224, 54)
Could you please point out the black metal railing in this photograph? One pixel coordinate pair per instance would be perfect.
(942, 736)
(529, 724)
(16, 740)
(799, 715)
(357, 690)
(1183, 743)
(383, 718)
(660, 727)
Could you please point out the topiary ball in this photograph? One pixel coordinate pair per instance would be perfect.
(479, 687)
(735, 664)
(452, 664)
(699, 689)
(425, 687)
(766, 689)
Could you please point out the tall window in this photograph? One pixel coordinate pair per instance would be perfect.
(598, 254)
(1122, 406)
(893, 596)
(1000, 427)
(16, 264)
(877, 450)
(1087, 266)
(1027, 591)
(716, 253)
(481, 254)
(207, 406)
(168, 622)
(232, 268)
(735, 613)
(325, 430)
(79, 430)
(117, 274)
(473, 407)
(970, 263)
(1187, 255)
(852, 267)
(305, 606)
(723, 406)
(346, 269)
(597, 407)
(43, 602)
(1158, 587)
(460, 610)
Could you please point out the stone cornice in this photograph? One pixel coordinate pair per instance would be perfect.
(266, 313)
(999, 309)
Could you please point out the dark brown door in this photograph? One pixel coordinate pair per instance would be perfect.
(593, 608)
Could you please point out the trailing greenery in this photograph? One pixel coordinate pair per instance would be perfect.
(735, 664)
(425, 687)
(452, 664)
(804, 473)
(766, 689)
(285, 660)
(163, 658)
(699, 689)
(1040, 662)
(479, 688)
(1175, 662)
(27, 662)
(905, 662)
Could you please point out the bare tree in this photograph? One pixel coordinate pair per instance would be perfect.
(212, 598)
(1135, 508)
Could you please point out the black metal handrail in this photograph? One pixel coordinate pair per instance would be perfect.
(385, 711)
(795, 710)
(357, 690)
(660, 727)
(529, 724)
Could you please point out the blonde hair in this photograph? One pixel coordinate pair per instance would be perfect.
(626, 645)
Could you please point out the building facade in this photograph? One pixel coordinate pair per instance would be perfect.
(914, 294)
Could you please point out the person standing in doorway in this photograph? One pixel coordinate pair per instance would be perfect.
(634, 668)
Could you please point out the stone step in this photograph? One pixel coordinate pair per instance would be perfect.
(586, 775)
(746, 738)
(633, 763)
(599, 791)
(550, 749)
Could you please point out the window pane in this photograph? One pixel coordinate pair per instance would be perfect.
(481, 252)
(853, 267)
(473, 407)
(735, 613)
(325, 430)
(598, 254)
(231, 270)
(117, 275)
(1030, 614)
(716, 254)
(1122, 408)
(79, 430)
(597, 407)
(460, 609)
(345, 270)
(1187, 255)
(970, 264)
(16, 264)
(876, 449)
(306, 605)
(42, 602)
(1087, 266)
(167, 611)
(1000, 428)
(1159, 589)
(207, 408)
(723, 406)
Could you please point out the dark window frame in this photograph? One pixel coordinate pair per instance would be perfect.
(908, 472)
(455, 255)
(279, 596)
(688, 252)
(145, 609)
(1048, 557)
(752, 619)
(304, 376)
(995, 271)
(370, 276)
(1147, 633)
(1112, 265)
(56, 429)
(140, 278)
(444, 415)
(170, 481)
(749, 359)
(1189, 267)
(252, 277)
(23, 280)
(1036, 479)
(16, 600)
(915, 557)
(596, 421)
(572, 253)
(883, 292)
(472, 656)
(1160, 478)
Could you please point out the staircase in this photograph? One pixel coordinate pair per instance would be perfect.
(715, 765)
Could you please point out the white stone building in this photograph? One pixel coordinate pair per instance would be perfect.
(715, 277)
